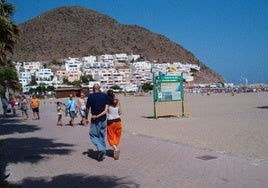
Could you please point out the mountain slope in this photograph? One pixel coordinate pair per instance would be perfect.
(76, 32)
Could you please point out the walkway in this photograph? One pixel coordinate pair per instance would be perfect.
(37, 153)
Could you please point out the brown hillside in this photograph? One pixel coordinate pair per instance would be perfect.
(75, 32)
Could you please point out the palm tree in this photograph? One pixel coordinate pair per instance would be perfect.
(9, 32)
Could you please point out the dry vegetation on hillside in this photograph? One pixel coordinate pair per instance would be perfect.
(77, 32)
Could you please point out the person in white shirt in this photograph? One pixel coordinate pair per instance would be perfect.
(114, 125)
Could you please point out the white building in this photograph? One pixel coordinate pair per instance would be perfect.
(141, 72)
(24, 78)
(120, 57)
(72, 64)
(106, 57)
(107, 69)
(177, 68)
(44, 74)
(113, 78)
(71, 75)
(46, 77)
(89, 58)
(133, 57)
(32, 66)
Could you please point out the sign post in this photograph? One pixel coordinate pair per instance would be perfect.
(168, 90)
(154, 90)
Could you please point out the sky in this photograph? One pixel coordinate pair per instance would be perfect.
(229, 36)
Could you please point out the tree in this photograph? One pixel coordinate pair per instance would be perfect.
(65, 81)
(76, 83)
(9, 74)
(50, 88)
(9, 32)
(55, 62)
(116, 88)
(33, 81)
(84, 79)
(147, 87)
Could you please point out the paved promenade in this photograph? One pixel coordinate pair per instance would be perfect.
(37, 153)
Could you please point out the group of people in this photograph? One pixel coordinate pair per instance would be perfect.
(21, 103)
(72, 107)
(104, 110)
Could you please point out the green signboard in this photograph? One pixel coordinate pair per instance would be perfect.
(168, 88)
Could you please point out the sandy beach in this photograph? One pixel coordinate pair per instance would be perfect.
(223, 143)
(224, 123)
(230, 124)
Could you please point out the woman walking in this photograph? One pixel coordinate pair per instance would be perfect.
(82, 108)
(114, 126)
(24, 108)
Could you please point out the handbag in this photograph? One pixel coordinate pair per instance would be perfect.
(23, 106)
(9, 108)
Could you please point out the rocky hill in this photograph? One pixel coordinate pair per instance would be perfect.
(76, 32)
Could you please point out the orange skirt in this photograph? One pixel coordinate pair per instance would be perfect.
(114, 132)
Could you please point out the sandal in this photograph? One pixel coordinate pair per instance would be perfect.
(70, 122)
(116, 154)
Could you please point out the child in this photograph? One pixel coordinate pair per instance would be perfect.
(59, 113)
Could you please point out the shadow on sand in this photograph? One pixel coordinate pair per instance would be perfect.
(93, 153)
(10, 126)
(262, 107)
(31, 150)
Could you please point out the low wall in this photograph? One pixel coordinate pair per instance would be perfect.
(65, 92)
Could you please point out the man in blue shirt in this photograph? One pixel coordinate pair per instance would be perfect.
(97, 102)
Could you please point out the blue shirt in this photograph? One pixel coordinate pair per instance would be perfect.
(96, 102)
(71, 104)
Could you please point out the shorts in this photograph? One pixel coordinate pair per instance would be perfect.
(82, 112)
(59, 116)
(72, 114)
(35, 109)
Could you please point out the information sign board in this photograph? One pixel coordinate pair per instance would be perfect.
(168, 88)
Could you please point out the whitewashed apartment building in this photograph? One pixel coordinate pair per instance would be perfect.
(71, 75)
(24, 78)
(141, 72)
(72, 70)
(105, 69)
(46, 76)
(32, 66)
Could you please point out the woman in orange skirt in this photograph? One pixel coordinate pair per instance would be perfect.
(114, 126)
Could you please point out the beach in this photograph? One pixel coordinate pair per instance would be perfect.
(221, 122)
(222, 143)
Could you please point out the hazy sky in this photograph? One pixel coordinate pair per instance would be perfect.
(229, 36)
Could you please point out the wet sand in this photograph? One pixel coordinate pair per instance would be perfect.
(231, 124)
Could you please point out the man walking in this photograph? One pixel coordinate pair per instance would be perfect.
(97, 102)
(35, 107)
